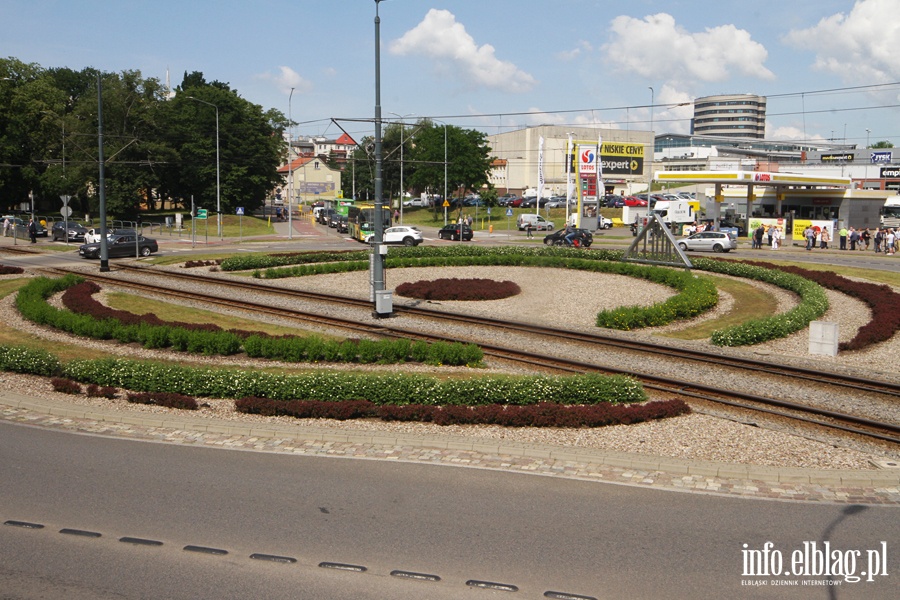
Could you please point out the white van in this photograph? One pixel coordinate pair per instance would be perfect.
(538, 222)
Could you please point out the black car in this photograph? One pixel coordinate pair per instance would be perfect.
(120, 245)
(583, 237)
(451, 232)
(76, 231)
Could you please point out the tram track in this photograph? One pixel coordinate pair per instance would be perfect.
(734, 399)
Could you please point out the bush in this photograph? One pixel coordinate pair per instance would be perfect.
(95, 391)
(380, 389)
(165, 399)
(66, 386)
(19, 359)
(458, 289)
(89, 318)
(543, 414)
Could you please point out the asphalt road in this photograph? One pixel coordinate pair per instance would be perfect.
(462, 525)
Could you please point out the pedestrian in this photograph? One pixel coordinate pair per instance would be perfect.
(843, 236)
(32, 231)
(758, 237)
(396, 216)
(469, 221)
(889, 240)
(825, 237)
(864, 239)
(770, 233)
(879, 238)
(810, 238)
(528, 230)
(776, 237)
(6, 227)
(854, 238)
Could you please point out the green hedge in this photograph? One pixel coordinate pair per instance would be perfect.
(813, 304)
(32, 303)
(20, 359)
(394, 389)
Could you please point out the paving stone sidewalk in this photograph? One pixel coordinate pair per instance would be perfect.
(875, 487)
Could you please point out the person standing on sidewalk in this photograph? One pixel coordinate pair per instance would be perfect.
(843, 234)
(32, 231)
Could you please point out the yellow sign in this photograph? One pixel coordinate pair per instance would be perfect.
(446, 204)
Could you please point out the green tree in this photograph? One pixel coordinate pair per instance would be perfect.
(468, 158)
(882, 144)
(251, 146)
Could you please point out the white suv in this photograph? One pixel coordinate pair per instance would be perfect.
(401, 234)
(717, 241)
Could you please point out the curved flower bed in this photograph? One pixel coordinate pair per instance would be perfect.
(89, 318)
(697, 295)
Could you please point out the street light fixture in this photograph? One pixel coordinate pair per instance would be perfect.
(218, 180)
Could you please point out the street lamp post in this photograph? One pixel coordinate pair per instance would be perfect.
(868, 131)
(381, 299)
(290, 169)
(652, 150)
(218, 172)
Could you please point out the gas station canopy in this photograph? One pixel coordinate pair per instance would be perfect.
(749, 178)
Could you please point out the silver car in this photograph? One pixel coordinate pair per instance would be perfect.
(716, 241)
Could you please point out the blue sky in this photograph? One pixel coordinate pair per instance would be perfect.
(498, 64)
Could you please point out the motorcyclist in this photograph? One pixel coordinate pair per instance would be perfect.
(570, 234)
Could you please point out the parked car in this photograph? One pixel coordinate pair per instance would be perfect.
(538, 222)
(741, 232)
(584, 238)
(423, 202)
(401, 234)
(76, 231)
(715, 241)
(557, 202)
(120, 245)
(516, 202)
(613, 201)
(634, 201)
(505, 199)
(451, 232)
(603, 222)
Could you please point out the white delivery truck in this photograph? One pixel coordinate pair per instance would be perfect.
(890, 213)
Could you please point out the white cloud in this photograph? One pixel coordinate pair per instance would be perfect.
(286, 79)
(567, 55)
(789, 132)
(860, 46)
(657, 48)
(440, 37)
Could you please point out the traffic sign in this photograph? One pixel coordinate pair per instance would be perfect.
(201, 213)
(445, 204)
(66, 211)
(240, 210)
(508, 212)
(65, 199)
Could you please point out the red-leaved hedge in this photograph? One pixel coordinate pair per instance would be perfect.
(458, 289)
(545, 414)
(883, 301)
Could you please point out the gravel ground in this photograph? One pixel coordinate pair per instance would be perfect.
(565, 299)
